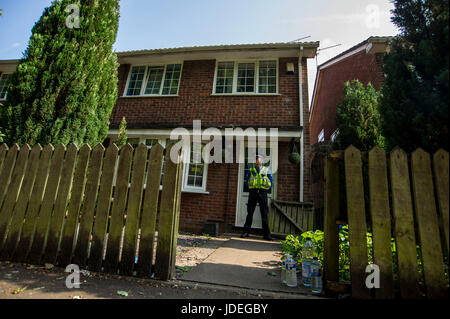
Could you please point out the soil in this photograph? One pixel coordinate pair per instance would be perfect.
(192, 249)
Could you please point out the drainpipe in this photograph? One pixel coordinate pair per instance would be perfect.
(302, 156)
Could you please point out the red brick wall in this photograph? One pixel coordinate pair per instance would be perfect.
(222, 182)
(361, 66)
(195, 102)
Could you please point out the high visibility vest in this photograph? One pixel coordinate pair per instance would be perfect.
(259, 180)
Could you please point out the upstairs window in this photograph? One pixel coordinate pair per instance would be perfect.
(224, 79)
(154, 80)
(267, 82)
(246, 77)
(4, 78)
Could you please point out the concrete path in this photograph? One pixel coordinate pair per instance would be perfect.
(245, 263)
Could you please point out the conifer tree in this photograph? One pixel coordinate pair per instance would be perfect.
(122, 137)
(358, 119)
(65, 86)
(415, 95)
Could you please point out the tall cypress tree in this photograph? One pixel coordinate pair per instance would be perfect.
(414, 104)
(65, 85)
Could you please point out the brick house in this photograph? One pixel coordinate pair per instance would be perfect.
(253, 86)
(362, 62)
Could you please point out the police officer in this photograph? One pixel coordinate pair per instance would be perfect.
(260, 181)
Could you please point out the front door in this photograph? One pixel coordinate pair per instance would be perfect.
(242, 200)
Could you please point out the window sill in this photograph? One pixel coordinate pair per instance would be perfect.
(146, 96)
(245, 94)
(194, 191)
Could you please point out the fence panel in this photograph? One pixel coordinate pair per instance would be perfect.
(103, 208)
(56, 207)
(290, 217)
(118, 210)
(32, 213)
(59, 209)
(357, 221)
(404, 232)
(331, 230)
(381, 222)
(3, 151)
(149, 211)
(426, 216)
(7, 169)
(167, 218)
(22, 202)
(440, 161)
(45, 212)
(76, 199)
(414, 211)
(133, 210)
(6, 212)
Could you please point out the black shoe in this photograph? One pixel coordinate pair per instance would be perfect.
(244, 235)
(268, 238)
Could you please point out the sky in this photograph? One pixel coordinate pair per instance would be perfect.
(152, 24)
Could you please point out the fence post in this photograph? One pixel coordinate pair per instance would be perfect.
(32, 214)
(22, 202)
(167, 218)
(118, 210)
(45, 212)
(59, 209)
(6, 211)
(331, 213)
(76, 199)
(428, 227)
(404, 225)
(133, 210)
(440, 163)
(150, 211)
(356, 222)
(381, 221)
(103, 208)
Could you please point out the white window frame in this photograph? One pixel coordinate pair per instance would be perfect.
(184, 187)
(144, 81)
(194, 189)
(321, 137)
(6, 94)
(235, 76)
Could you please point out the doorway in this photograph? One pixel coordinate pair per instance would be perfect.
(243, 191)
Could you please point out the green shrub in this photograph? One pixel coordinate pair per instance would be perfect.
(293, 245)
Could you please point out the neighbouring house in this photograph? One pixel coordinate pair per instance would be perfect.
(362, 62)
(250, 86)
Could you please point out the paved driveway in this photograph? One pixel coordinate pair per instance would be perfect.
(245, 263)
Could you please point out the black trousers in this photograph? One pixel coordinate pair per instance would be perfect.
(260, 197)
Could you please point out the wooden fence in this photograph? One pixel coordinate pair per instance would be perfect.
(407, 205)
(63, 205)
(289, 217)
